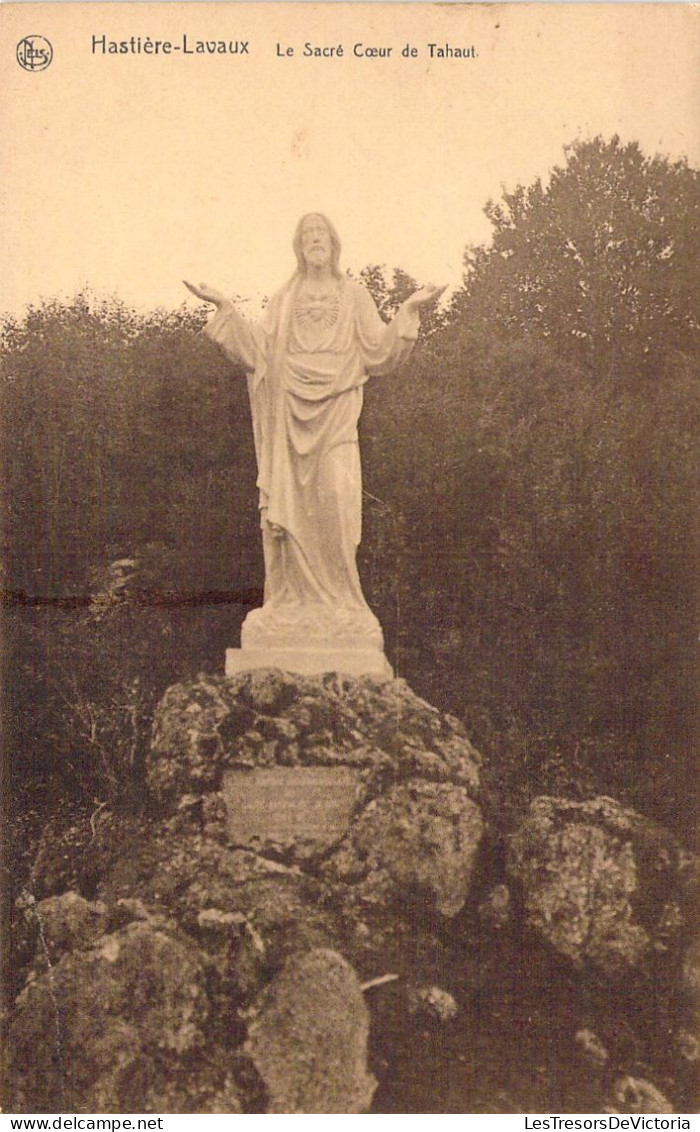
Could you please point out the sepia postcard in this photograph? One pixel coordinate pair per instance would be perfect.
(349, 371)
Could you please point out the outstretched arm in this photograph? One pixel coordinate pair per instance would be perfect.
(386, 345)
(227, 328)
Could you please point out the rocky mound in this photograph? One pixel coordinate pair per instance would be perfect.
(267, 718)
(210, 970)
(176, 962)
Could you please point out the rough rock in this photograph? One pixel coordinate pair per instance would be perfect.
(635, 1095)
(309, 1039)
(495, 912)
(420, 840)
(246, 912)
(187, 750)
(688, 1037)
(268, 718)
(63, 923)
(434, 1005)
(690, 975)
(214, 920)
(601, 884)
(687, 1046)
(100, 1030)
(72, 854)
(590, 1049)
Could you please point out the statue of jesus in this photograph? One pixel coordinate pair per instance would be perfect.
(308, 358)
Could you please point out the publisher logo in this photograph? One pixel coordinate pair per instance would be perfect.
(34, 53)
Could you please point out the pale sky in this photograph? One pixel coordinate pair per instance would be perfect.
(126, 173)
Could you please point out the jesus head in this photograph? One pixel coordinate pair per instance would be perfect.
(316, 244)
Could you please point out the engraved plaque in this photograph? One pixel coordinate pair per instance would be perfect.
(306, 804)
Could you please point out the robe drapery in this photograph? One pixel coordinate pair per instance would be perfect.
(306, 370)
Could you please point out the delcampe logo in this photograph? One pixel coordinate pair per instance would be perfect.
(34, 53)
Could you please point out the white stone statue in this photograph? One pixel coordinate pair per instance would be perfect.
(308, 358)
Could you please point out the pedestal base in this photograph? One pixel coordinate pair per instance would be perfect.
(311, 661)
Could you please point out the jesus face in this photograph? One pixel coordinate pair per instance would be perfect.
(316, 243)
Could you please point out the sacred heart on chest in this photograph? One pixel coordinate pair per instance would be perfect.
(317, 310)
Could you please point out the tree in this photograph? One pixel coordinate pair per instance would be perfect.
(572, 355)
(600, 262)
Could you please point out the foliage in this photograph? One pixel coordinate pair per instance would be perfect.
(120, 426)
(600, 262)
(540, 461)
(86, 679)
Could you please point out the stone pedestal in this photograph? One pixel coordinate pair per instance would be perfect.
(311, 661)
(310, 640)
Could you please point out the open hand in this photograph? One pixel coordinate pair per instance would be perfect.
(205, 292)
(425, 295)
